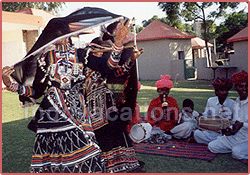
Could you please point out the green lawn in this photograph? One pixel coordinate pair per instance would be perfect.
(17, 140)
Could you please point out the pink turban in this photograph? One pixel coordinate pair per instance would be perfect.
(164, 82)
(240, 77)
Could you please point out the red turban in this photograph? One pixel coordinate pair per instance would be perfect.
(164, 82)
(240, 77)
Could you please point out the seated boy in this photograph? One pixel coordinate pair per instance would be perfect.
(187, 120)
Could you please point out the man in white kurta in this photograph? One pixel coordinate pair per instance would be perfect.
(220, 105)
(235, 139)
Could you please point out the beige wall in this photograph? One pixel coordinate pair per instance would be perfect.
(203, 73)
(177, 69)
(15, 42)
(239, 59)
(176, 45)
(240, 56)
(159, 58)
(12, 47)
(6, 26)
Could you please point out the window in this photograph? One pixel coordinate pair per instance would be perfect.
(181, 55)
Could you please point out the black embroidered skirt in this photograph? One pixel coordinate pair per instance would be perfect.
(65, 149)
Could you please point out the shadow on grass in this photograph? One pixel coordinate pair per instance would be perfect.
(17, 146)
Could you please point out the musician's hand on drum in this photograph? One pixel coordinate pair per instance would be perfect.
(6, 72)
(215, 124)
(227, 131)
(121, 32)
(136, 53)
(236, 127)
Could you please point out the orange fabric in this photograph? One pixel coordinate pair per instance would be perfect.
(167, 124)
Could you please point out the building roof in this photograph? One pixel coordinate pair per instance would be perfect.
(32, 11)
(160, 30)
(31, 17)
(129, 38)
(37, 12)
(240, 36)
(21, 18)
(199, 43)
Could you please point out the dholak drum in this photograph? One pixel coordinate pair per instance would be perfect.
(213, 123)
(140, 132)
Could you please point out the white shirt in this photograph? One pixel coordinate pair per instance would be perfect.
(240, 113)
(214, 108)
(187, 118)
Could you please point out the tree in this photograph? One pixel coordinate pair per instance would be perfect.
(234, 23)
(52, 7)
(137, 29)
(177, 24)
(172, 10)
(145, 23)
(188, 28)
(191, 11)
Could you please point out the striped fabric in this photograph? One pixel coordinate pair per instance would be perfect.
(114, 58)
(64, 149)
(176, 148)
(120, 159)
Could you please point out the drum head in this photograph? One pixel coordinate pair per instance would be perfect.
(137, 132)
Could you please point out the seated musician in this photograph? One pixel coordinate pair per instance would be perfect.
(163, 111)
(187, 120)
(235, 140)
(220, 105)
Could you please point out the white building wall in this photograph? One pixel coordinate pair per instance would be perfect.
(158, 56)
(240, 56)
(12, 47)
(239, 60)
(204, 73)
(154, 61)
(6, 26)
(13, 42)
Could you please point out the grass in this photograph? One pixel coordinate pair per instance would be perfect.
(17, 140)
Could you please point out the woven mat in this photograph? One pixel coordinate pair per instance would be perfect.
(176, 148)
(245, 161)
